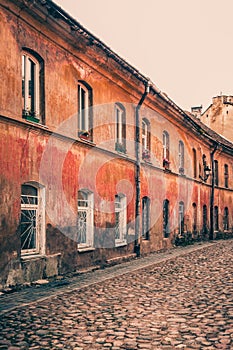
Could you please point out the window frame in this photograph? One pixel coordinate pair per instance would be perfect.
(181, 218)
(181, 157)
(166, 226)
(166, 149)
(87, 209)
(226, 176)
(39, 208)
(32, 67)
(120, 129)
(226, 219)
(216, 218)
(146, 218)
(194, 163)
(120, 219)
(216, 179)
(85, 110)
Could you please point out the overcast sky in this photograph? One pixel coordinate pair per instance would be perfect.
(184, 46)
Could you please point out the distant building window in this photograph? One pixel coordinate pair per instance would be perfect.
(145, 140)
(145, 217)
(166, 146)
(84, 109)
(85, 221)
(204, 219)
(226, 219)
(120, 219)
(181, 218)
(226, 175)
(166, 229)
(216, 224)
(32, 219)
(120, 145)
(194, 217)
(181, 157)
(194, 163)
(32, 87)
(216, 173)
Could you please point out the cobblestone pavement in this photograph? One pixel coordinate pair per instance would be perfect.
(179, 300)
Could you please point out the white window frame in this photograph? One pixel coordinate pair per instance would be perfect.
(119, 123)
(121, 212)
(39, 208)
(145, 141)
(165, 145)
(83, 107)
(26, 102)
(85, 207)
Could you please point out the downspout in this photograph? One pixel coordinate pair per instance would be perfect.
(211, 233)
(137, 171)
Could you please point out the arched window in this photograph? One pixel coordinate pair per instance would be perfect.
(226, 175)
(166, 229)
(85, 220)
(120, 219)
(166, 146)
(194, 163)
(32, 231)
(181, 218)
(85, 102)
(145, 217)
(216, 224)
(145, 139)
(181, 157)
(120, 120)
(32, 86)
(226, 219)
(194, 217)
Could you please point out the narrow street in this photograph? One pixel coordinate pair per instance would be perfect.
(182, 299)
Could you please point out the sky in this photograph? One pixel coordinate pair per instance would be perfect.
(184, 46)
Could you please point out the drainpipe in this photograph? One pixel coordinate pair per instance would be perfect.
(137, 175)
(211, 233)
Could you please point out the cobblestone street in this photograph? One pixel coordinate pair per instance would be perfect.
(176, 300)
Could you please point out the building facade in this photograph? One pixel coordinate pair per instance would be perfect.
(96, 163)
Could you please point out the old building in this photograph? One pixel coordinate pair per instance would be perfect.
(96, 163)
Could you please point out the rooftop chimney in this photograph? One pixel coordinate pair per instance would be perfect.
(196, 111)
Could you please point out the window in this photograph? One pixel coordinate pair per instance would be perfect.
(181, 218)
(32, 86)
(216, 226)
(120, 219)
(120, 128)
(166, 149)
(204, 219)
(145, 140)
(166, 218)
(216, 173)
(226, 219)
(194, 217)
(85, 221)
(181, 157)
(84, 109)
(226, 175)
(32, 219)
(145, 217)
(194, 163)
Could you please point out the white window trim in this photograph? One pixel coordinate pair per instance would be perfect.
(27, 56)
(83, 109)
(89, 244)
(165, 145)
(40, 222)
(121, 208)
(145, 135)
(119, 124)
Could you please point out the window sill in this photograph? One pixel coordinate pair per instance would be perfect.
(85, 249)
(120, 243)
(32, 256)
